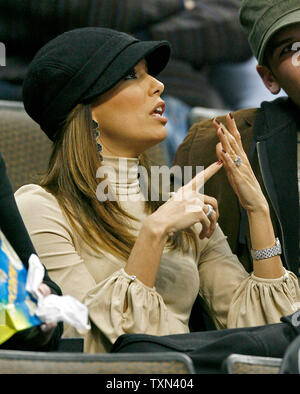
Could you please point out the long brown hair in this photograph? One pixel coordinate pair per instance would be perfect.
(71, 178)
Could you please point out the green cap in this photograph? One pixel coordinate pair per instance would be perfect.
(261, 19)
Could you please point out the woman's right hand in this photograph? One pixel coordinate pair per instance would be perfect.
(187, 206)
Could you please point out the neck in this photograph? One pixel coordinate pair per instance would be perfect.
(122, 173)
(115, 153)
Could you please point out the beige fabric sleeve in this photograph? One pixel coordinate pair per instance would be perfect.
(55, 244)
(54, 241)
(146, 311)
(236, 299)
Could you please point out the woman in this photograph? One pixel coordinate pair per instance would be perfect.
(45, 336)
(138, 265)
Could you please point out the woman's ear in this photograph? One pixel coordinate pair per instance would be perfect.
(93, 114)
(268, 79)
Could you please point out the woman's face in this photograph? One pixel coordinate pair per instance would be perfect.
(130, 114)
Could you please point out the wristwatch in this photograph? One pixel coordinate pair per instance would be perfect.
(267, 253)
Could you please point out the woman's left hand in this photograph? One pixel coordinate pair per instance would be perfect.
(238, 169)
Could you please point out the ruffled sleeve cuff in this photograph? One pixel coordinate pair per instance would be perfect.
(145, 312)
(260, 301)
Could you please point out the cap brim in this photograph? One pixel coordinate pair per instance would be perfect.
(156, 53)
(286, 20)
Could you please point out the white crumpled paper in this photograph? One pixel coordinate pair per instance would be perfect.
(54, 308)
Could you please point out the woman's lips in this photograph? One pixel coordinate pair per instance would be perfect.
(159, 117)
(158, 114)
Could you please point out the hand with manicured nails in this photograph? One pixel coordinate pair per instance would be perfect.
(187, 206)
(241, 178)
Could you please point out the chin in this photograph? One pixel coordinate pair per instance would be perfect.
(157, 136)
(161, 135)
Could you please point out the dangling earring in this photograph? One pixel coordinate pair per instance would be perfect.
(97, 135)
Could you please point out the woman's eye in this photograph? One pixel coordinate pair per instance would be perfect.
(131, 75)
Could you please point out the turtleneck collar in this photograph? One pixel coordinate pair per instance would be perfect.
(123, 174)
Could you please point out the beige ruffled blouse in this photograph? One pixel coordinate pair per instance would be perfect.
(233, 297)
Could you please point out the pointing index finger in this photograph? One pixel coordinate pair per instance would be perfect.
(202, 177)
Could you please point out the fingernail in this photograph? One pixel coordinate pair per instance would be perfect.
(219, 162)
(216, 120)
(230, 114)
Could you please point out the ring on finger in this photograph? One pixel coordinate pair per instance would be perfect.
(210, 210)
(237, 161)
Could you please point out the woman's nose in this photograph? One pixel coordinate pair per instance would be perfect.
(157, 87)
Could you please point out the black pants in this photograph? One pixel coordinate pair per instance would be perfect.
(208, 349)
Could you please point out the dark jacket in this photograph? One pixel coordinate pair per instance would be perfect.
(269, 136)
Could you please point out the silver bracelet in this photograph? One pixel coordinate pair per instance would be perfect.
(267, 253)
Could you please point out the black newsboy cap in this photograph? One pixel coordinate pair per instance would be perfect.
(79, 65)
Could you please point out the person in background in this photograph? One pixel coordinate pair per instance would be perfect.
(270, 134)
(136, 261)
(201, 33)
(45, 336)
